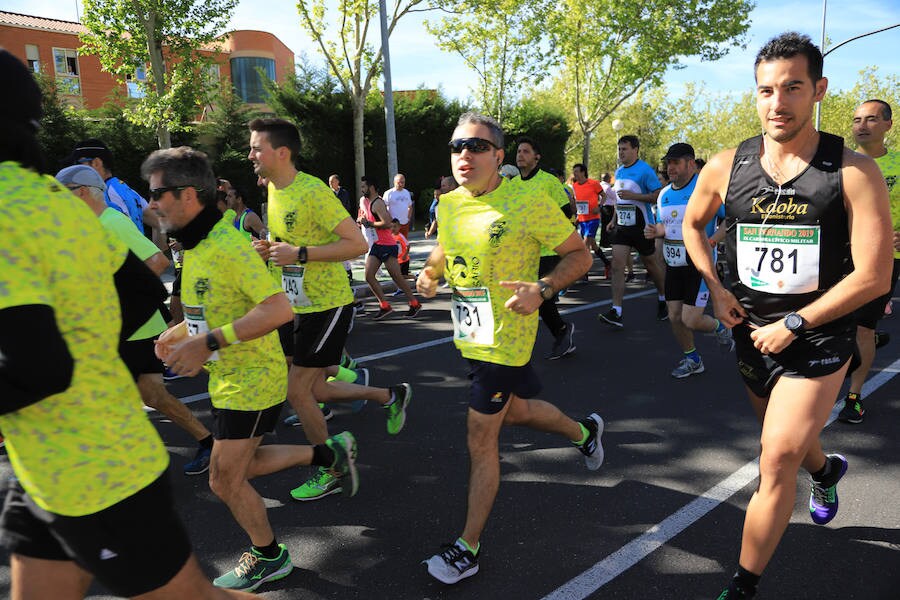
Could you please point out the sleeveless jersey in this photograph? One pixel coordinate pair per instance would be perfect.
(787, 244)
(384, 237)
(239, 225)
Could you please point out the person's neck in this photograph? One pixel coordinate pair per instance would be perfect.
(873, 149)
(630, 164)
(800, 145)
(492, 184)
(196, 230)
(284, 177)
(677, 185)
(525, 172)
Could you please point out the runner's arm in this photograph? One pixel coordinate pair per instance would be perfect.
(157, 263)
(350, 245)
(426, 282)
(254, 225)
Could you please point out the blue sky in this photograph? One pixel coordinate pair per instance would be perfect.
(417, 61)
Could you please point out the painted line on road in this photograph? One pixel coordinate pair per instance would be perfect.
(639, 548)
(407, 349)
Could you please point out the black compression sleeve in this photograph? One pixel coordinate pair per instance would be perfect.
(141, 293)
(34, 359)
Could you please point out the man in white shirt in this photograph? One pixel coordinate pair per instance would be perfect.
(399, 203)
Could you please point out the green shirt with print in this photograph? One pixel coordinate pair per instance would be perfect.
(91, 446)
(890, 168)
(544, 183)
(488, 239)
(221, 281)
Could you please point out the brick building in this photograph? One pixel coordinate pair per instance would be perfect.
(52, 46)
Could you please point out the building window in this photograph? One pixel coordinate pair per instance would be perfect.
(212, 74)
(65, 62)
(247, 80)
(135, 83)
(33, 58)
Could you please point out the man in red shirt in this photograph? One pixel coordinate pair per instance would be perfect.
(588, 196)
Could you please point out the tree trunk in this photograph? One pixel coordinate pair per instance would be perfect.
(586, 151)
(158, 72)
(163, 137)
(359, 157)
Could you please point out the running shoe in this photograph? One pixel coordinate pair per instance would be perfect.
(733, 592)
(629, 277)
(200, 463)
(324, 483)
(853, 410)
(169, 375)
(688, 367)
(2, 442)
(563, 292)
(881, 339)
(453, 563)
(414, 310)
(592, 448)
(294, 419)
(823, 499)
(362, 378)
(607, 272)
(611, 317)
(347, 361)
(344, 447)
(662, 311)
(725, 339)
(396, 411)
(254, 569)
(564, 343)
(382, 312)
(397, 292)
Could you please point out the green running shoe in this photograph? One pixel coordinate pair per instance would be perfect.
(344, 447)
(324, 483)
(396, 412)
(254, 569)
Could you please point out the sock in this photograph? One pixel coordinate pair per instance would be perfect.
(345, 375)
(822, 474)
(618, 310)
(692, 355)
(323, 456)
(719, 326)
(271, 551)
(466, 545)
(207, 442)
(585, 432)
(661, 297)
(745, 581)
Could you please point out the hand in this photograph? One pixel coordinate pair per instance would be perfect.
(897, 241)
(650, 232)
(727, 308)
(611, 225)
(626, 195)
(262, 248)
(772, 338)
(188, 356)
(526, 299)
(168, 338)
(175, 245)
(426, 283)
(427, 234)
(282, 253)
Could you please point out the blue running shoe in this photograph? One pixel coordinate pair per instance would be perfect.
(823, 500)
(200, 463)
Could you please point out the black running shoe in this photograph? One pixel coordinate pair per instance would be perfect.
(611, 317)
(853, 410)
(882, 338)
(662, 311)
(564, 343)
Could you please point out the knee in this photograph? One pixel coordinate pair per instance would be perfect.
(518, 414)
(221, 482)
(690, 321)
(779, 462)
(676, 318)
(482, 442)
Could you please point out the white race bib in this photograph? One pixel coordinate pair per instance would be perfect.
(626, 215)
(292, 283)
(778, 259)
(581, 208)
(473, 317)
(195, 320)
(675, 253)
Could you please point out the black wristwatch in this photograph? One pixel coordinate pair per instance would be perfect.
(547, 292)
(794, 323)
(302, 255)
(211, 342)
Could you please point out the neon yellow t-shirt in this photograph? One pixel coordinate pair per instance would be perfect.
(890, 168)
(492, 238)
(222, 280)
(542, 182)
(137, 242)
(91, 446)
(306, 213)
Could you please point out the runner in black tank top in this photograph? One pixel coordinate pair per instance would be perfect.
(798, 206)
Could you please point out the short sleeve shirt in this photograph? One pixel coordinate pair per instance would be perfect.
(122, 227)
(587, 197)
(398, 203)
(306, 213)
(91, 446)
(222, 280)
(497, 237)
(639, 178)
(890, 168)
(542, 182)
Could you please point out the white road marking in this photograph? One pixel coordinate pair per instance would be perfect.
(639, 548)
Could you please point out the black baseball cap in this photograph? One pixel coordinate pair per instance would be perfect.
(90, 149)
(679, 150)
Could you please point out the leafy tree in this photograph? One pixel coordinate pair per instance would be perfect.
(501, 42)
(351, 57)
(611, 49)
(171, 39)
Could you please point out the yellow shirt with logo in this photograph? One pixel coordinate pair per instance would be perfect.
(91, 446)
(890, 168)
(544, 183)
(498, 237)
(306, 213)
(222, 279)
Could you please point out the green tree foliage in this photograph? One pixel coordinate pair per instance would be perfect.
(611, 49)
(501, 42)
(167, 38)
(839, 105)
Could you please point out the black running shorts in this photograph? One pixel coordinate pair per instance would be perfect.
(319, 337)
(140, 357)
(492, 385)
(133, 547)
(633, 237)
(684, 284)
(869, 314)
(246, 424)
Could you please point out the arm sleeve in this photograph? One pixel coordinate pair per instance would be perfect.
(141, 293)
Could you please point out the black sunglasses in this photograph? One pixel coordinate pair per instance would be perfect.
(157, 193)
(476, 145)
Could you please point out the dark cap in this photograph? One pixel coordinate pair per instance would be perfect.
(20, 101)
(92, 148)
(679, 150)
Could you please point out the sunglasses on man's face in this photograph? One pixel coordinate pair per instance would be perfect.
(157, 193)
(476, 145)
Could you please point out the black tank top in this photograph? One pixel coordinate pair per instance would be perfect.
(786, 244)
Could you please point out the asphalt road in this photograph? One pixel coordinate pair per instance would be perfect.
(661, 519)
